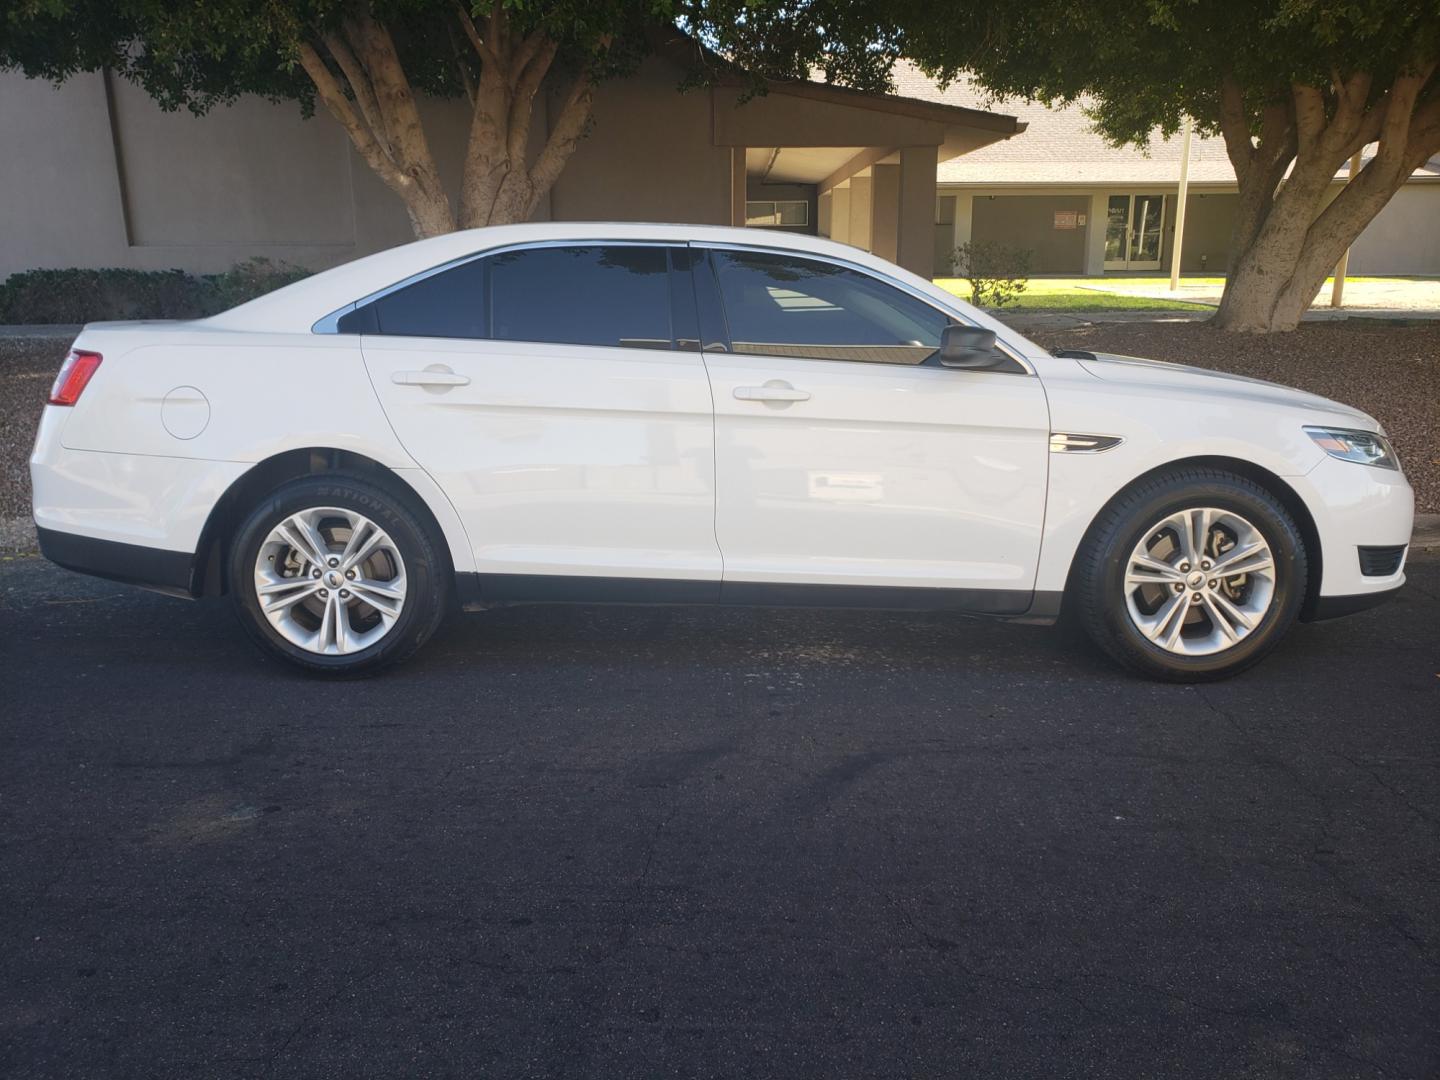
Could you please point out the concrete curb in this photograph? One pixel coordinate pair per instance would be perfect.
(1427, 532)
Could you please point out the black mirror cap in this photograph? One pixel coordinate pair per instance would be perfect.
(970, 348)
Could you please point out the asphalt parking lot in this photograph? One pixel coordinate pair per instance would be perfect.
(615, 842)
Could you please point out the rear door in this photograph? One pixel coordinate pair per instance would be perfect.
(544, 390)
(847, 459)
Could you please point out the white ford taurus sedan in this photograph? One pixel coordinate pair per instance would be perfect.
(678, 414)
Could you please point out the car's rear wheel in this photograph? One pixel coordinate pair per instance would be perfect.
(337, 575)
(1191, 576)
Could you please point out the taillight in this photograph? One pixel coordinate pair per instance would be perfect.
(75, 373)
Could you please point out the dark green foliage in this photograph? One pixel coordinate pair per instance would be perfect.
(1145, 64)
(245, 281)
(997, 273)
(197, 54)
(79, 296)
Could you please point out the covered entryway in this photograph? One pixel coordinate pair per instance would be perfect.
(858, 168)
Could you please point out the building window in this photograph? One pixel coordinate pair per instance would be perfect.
(773, 212)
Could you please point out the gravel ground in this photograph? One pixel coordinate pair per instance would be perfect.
(1390, 371)
(27, 367)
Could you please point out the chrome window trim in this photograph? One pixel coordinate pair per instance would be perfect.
(1005, 346)
(329, 324)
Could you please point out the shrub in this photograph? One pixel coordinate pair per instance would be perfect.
(247, 280)
(74, 296)
(79, 295)
(997, 274)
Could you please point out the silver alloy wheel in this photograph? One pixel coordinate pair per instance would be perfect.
(330, 580)
(1199, 581)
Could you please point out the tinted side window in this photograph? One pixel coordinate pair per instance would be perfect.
(448, 304)
(616, 296)
(780, 305)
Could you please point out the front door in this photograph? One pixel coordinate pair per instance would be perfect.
(544, 390)
(1134, 232)
(847, 460)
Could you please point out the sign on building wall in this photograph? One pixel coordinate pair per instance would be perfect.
(1066, 219)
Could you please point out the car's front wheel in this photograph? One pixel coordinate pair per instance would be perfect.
(1191, 576)
(337, 575)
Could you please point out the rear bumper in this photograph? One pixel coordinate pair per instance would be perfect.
(133, 499)
(170, 572)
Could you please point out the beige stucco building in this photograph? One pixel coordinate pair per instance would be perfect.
(97, 175)
(1082, 206)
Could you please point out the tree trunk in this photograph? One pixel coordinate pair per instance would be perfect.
(1286, 242)
(358, 78)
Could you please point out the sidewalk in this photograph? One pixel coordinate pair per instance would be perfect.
(1410, 298)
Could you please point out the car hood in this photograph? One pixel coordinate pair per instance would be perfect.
(1182, 379)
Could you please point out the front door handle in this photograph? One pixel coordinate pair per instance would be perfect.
(431, 376)
(774, 390)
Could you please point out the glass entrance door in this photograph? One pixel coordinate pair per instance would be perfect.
(1134, 232)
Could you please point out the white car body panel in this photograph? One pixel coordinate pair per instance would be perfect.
(1170, 413)
(265, 395)
(153, 500)
(563, 459)
(887, 475)
(576, 460)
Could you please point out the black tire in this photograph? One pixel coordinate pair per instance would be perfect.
(1098, 580)
(426, 571)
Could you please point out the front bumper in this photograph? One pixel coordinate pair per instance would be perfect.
(1335, 607)
(1355, 506)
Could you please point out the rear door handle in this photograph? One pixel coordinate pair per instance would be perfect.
(774, 390)
(436, 376)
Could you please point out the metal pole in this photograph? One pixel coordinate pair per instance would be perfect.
(1179, 241)
(1337, 291)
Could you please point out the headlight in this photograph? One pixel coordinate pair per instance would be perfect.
(1365, 447)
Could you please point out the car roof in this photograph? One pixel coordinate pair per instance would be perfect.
(296, 308)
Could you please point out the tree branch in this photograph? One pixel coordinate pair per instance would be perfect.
(1424, 135)
(497, 30)
(565, 135)
(1235, 127)
(361, 87)
(1309, 116)
(522, 102)
(487, 54)
(335, 101)
(467, 82)
(1404, 94)
(527, 52)
(487, 162)
(393, 96)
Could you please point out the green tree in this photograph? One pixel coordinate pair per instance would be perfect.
(1295, 87)
(369, 62)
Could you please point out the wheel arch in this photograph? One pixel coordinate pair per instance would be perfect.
(208, 575)
(1273, 483)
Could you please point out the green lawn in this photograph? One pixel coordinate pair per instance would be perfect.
(1071, 294)
(1114, 292)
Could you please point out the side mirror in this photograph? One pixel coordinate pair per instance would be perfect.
(970, 348)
